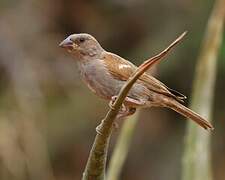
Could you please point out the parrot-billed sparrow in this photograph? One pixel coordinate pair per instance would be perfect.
(105, 73)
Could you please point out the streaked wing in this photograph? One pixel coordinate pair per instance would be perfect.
(157, 86)
(122, 69)
(118, 67)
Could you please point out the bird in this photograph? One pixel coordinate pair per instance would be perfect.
(105, 73)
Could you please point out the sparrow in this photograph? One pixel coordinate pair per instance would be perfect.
(105, 73)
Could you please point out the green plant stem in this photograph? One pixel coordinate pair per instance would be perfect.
(95, 167)
(122, 147)
(197, 160)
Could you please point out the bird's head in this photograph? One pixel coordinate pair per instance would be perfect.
(82, 45)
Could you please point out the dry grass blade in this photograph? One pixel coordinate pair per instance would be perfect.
(159, 56)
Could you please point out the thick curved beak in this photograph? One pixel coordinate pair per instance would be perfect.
(67, 43)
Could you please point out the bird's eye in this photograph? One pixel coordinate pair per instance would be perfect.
(81, 40)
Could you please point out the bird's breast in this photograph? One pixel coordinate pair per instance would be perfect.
(99, 80)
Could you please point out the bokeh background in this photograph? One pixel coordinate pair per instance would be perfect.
(48, 116)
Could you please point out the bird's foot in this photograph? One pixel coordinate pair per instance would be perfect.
(113, 99)
(128, 101)
(125, 111)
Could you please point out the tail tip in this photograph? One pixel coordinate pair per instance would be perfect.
(209, 128)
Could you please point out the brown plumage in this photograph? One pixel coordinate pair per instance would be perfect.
(122, 69)
(105, 73)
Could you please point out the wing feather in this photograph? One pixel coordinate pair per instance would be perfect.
(122, 69)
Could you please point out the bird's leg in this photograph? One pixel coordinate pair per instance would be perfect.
(127, 100)
(124, 110)
(113, 99)
(123, 113)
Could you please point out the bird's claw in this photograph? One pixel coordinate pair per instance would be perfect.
(111, 105)
(126, 111)
(113, 99)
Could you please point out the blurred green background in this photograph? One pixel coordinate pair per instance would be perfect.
(48, 116)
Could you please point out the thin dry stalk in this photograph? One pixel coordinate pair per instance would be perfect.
(122, 147)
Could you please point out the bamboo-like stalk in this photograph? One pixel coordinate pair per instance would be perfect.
(122, 148)
(95, 167)
(197, 159)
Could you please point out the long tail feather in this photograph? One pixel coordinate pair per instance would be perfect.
(188, 113)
